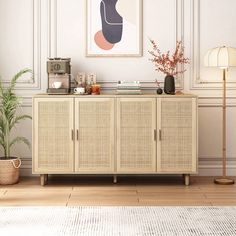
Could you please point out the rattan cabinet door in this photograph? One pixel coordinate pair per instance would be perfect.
(53, 135)
(94, 127)
(177, 144)
(136, 131)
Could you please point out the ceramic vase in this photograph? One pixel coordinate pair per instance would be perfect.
(169, 84)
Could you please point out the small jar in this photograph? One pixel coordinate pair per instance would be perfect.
(96, 89)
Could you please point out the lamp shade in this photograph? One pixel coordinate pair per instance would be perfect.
(222, 57)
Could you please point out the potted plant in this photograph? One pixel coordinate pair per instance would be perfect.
(168, 64)
(9, 104)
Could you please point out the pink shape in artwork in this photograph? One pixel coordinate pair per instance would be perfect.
(102, 42)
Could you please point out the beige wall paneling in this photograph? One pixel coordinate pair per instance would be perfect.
(20, 47)
(213, 25)
(23, 44)
(136, 132)
(208, 24)
(53, 136)
(94, 135)
(210, 137)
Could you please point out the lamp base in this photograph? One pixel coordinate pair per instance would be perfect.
(223, 181)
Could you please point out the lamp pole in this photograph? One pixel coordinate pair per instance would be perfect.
(224, 179)
(224, 123)
(222, 57)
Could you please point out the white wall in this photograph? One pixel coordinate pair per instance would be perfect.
(32, 30)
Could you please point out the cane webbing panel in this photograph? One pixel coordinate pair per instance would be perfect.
(136, 136)
(95, 135)
(177, 131)
(54, 150)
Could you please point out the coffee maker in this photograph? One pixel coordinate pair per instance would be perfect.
(59, 75)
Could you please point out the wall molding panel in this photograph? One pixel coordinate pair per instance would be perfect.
(52, 28)
(198, 82)
(33, 82)
(215, 101)
(27, 102)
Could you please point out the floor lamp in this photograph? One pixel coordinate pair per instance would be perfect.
(223, 58)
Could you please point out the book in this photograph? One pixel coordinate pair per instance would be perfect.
(128, 88)
(128, 91)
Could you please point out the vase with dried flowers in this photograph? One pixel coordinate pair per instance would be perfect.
(168, 64)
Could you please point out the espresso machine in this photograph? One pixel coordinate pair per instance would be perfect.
(59, 75)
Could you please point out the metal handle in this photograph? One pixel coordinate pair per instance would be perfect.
(160, 135)
(77, 134)
(72, 135)
(155, 134)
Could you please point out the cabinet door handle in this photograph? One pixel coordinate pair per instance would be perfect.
(77, 134)
(72, 135)
(155, 135)
(160, 135)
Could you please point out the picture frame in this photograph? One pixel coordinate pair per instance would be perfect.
(114, 28)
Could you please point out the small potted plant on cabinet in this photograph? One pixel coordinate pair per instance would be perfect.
(9, 104)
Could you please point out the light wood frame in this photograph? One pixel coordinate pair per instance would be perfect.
(115, 127)
(36, 168)
(140, 54)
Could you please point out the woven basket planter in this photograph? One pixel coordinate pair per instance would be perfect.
(10, 171)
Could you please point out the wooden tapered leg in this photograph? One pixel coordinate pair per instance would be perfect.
(43, 179)
(46, 178)
(186, 179)
(114, 179)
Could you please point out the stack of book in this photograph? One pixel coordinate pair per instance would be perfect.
(128, 87)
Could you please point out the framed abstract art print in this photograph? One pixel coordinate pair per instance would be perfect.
(114, 28)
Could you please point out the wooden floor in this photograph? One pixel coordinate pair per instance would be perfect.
(129, 191)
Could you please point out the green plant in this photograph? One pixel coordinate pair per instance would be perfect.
(9, 103)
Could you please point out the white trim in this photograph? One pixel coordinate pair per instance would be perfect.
(34, 82)
(196, 82)
(53, 25)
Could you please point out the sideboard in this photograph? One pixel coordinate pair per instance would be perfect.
(114, 134)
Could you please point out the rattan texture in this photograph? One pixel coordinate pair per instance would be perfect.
(8, 173)
(95, 135)
(136, 150)
(176, 143)
(53, 135)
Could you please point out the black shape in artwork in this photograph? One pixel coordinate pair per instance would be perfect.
(112, 22)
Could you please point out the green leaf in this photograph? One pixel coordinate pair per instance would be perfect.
(9, 103)
(20, 139)
(17, 119)
(16, 77)
(2, 142)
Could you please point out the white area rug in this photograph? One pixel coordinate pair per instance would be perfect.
(109, 221)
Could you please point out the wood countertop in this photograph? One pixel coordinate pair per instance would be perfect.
(114, 95)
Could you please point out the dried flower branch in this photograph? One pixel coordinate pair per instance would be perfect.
(168, 64)
(157, 83)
